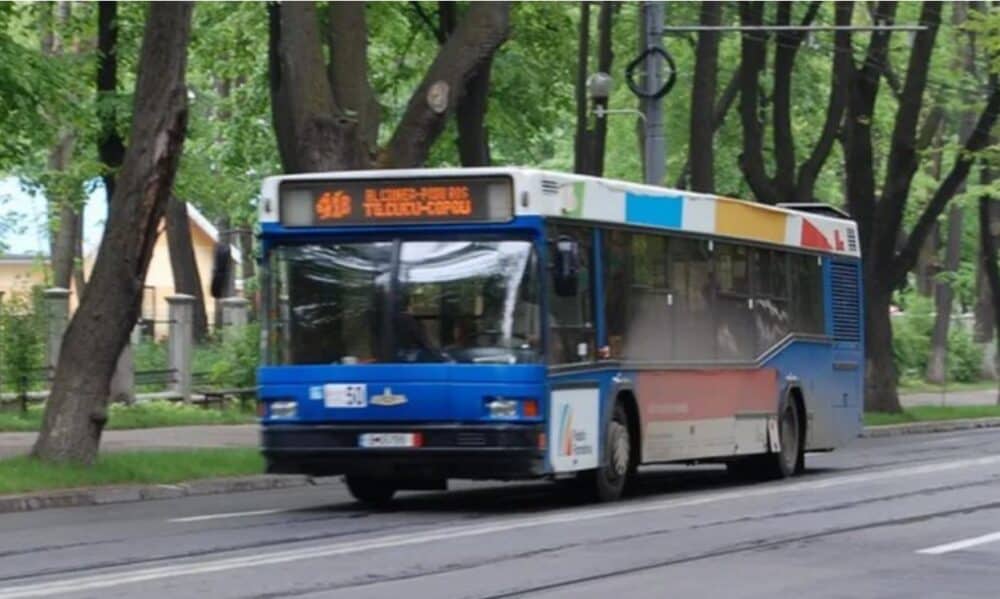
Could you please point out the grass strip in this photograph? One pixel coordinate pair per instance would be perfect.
(24, 474)
(150, 414)
(931, 413)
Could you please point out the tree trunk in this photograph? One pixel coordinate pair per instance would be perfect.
(110, 148)
(989, 261)
(76, 411)
(701, 147)
(581, 143)
(927, 264)
(937, 364)
(183, 265)
(753, 54)
(722, 106)
(224, 225)
(882, 376)
(353, 93)
(605, 57)
(943, 298)
(249, 268)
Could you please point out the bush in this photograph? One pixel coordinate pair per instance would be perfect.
(911, 337)
(22, 342)
(964, 356)
(231, 359)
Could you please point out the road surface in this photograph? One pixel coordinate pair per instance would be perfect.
(894, 517)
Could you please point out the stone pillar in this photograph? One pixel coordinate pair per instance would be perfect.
(234, 312)
(180, 344)
(56, 302)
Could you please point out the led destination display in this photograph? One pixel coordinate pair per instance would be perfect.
(420, 201)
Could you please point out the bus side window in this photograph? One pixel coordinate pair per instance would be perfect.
(571, 321)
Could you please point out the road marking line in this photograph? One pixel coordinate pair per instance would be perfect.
(575, 516)
(226, 515)
(963, 544)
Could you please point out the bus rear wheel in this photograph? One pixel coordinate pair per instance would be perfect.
(786, 462)
(370, 491)
(612, 474)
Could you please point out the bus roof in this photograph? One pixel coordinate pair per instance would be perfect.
(594, 199)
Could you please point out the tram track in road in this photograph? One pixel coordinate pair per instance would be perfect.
(125, 571)
(750, 545)
(753, 545)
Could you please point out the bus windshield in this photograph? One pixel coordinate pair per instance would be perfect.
(472, 301)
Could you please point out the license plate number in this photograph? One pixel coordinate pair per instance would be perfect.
(388, 440)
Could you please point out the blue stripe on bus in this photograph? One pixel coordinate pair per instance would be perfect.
(663, 211)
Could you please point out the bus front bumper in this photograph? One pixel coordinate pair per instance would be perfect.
(494, 451)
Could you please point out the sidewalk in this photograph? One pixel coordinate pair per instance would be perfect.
(189, 437)
(180, 437)
(983, 397)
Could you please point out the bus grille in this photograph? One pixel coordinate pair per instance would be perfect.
(846, 301)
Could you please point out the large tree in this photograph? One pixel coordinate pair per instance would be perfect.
(888, 252)
(325, 123)
(76, 412)
(791, 182)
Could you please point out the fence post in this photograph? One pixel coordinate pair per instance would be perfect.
(180, 343)
(56, 302)
(234, 311)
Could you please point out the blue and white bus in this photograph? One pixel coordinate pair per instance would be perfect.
(509, 323)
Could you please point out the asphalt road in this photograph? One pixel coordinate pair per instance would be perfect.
(914, 516)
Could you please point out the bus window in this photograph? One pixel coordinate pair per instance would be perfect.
(571, 328)
(693, 336)
(734, 324)
(647, 337)
(806, 289)
(770, 294)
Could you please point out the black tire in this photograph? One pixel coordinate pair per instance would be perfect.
(789, 461)
(373, 492)
(616, 467)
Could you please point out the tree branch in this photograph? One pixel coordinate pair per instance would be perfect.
(903, 160)
(438, 33)
(485, 27)
(978, 140)
(751, 160)
(810, 169)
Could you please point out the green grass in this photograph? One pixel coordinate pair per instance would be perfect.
(24, 474)
(907, 387)
(145, 415)
(930, 413)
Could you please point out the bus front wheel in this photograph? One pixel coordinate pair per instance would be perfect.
(370, 491)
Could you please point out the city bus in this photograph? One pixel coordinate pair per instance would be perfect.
(509, 323)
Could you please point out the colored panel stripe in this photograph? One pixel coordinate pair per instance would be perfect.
(664, 211)
(749, 222)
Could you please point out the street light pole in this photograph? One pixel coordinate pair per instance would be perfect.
(655, 140)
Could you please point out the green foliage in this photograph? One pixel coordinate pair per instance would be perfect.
(231, 361)
(22, 341)
(911, 344)
(964, 356)
(931, 413)
(911, 336)
(149, 414)
(150, 355)
(23, 474)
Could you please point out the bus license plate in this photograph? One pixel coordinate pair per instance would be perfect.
(387, 440)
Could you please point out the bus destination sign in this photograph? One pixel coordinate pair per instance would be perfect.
(420, 201)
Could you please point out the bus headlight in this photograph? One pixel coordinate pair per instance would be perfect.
(283, 409)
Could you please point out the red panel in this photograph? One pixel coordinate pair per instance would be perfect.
(813, 237)
(672, 395)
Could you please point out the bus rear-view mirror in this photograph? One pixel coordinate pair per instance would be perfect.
(221, 263)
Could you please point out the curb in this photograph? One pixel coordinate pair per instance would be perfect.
(937, 426)
(90, 496)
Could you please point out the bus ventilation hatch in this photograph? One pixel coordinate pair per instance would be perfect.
(846, 302)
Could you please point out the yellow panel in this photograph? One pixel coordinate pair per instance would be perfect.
(749, 222)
